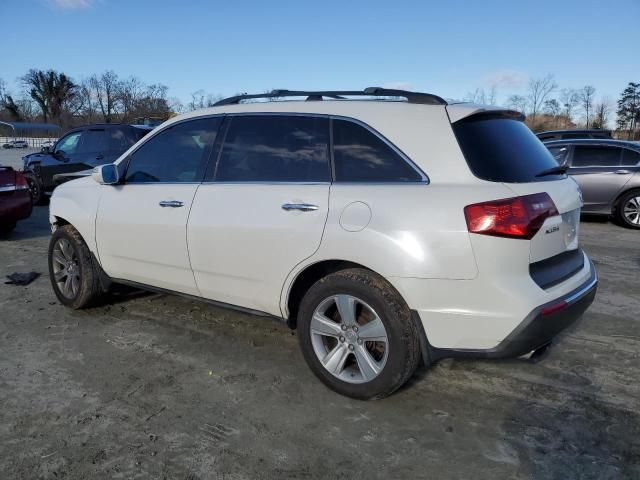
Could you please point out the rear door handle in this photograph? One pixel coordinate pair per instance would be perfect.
(622, 172)
(99, 157)
(303, 207)
(171, 203)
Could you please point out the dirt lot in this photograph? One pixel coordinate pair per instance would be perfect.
(156, 386)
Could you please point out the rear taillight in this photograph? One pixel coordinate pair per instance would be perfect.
(21, 182)
(518, 217)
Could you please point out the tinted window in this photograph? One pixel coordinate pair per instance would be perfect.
(93, 141)
(503, 150)
(69, 144)
(560, 153)
(275, 148)
(177, 154)
(630, 158)
(362, 156)
(120, 139)
(595, 156)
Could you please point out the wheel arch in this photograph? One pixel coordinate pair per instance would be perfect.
(625, 190)
(310, 274)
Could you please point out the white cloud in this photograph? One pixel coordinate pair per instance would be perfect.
(71, 4)
(506, 79)
(398, 85)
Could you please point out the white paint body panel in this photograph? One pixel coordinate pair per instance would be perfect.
(243, 244)
(140, 241)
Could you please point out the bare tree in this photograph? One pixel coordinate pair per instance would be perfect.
(602, 111)
(552, 108)
(539, 90)
(569, 99)
(587, 97)
(518, 102)
(131, 92)
(105, 88)
(51, 90)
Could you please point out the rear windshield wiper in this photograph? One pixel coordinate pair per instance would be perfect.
(559, 170)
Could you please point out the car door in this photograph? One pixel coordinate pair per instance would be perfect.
(141, 222)
(262, 209)
(63, 159)
(598, 171)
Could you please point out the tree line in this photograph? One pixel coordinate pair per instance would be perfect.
(549, 107)
(52, 96)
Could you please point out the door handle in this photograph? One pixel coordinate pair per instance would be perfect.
(99, 157)
(303, 207)
(171, 203)
(621, 172)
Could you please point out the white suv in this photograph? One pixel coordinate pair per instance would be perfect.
(388, 226)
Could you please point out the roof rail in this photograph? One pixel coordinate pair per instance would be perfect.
(412, 97)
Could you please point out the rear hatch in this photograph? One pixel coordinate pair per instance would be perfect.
(500, 148)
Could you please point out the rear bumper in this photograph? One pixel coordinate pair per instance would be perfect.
(15, 206)
(535, 331)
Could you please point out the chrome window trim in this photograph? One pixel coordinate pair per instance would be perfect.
(424, 177)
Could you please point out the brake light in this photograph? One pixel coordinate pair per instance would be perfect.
(517, 217)
(21, 182)
(554, 308)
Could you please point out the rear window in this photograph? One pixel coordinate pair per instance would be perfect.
(501, 149)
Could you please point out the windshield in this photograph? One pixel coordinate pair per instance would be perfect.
(501, 149)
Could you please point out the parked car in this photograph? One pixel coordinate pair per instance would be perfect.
(387, 232)
(79, 149)
(573, 133)
(608, 172)
(16, 144)
(47, 145)
(15, 199)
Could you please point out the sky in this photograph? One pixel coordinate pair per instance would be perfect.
(449, 48)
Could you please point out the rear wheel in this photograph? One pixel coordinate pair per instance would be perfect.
(35, 187)
(75, 277)
(357, 335)
(628, 211)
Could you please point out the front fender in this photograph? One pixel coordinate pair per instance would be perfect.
(77, 204)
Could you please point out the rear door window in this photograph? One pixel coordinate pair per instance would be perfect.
(93, 141)
(560, 153)
(630, 158)
(275, 148)
(501, 149)
(596, 156)
(362, 156)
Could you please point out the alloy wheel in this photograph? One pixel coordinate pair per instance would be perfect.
(631, 210)
(349, 338)
(66, 268)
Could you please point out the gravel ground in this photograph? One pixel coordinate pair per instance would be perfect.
(157, 386)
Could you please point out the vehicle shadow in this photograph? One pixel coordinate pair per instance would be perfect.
(36, 226)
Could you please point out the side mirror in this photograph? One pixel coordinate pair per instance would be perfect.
(106, 174)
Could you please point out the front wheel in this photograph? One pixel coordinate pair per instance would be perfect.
(628, 211)
(357, 335)
(75, 277)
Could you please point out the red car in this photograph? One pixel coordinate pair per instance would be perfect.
(15, 199)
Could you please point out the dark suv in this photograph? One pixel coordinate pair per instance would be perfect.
(608, 172)
(573, 134)
(79, 149)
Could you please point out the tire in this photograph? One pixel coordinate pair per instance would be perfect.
(78, 286)
(628, 210)
(344, 345)
(35, 187)
(6, 228)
